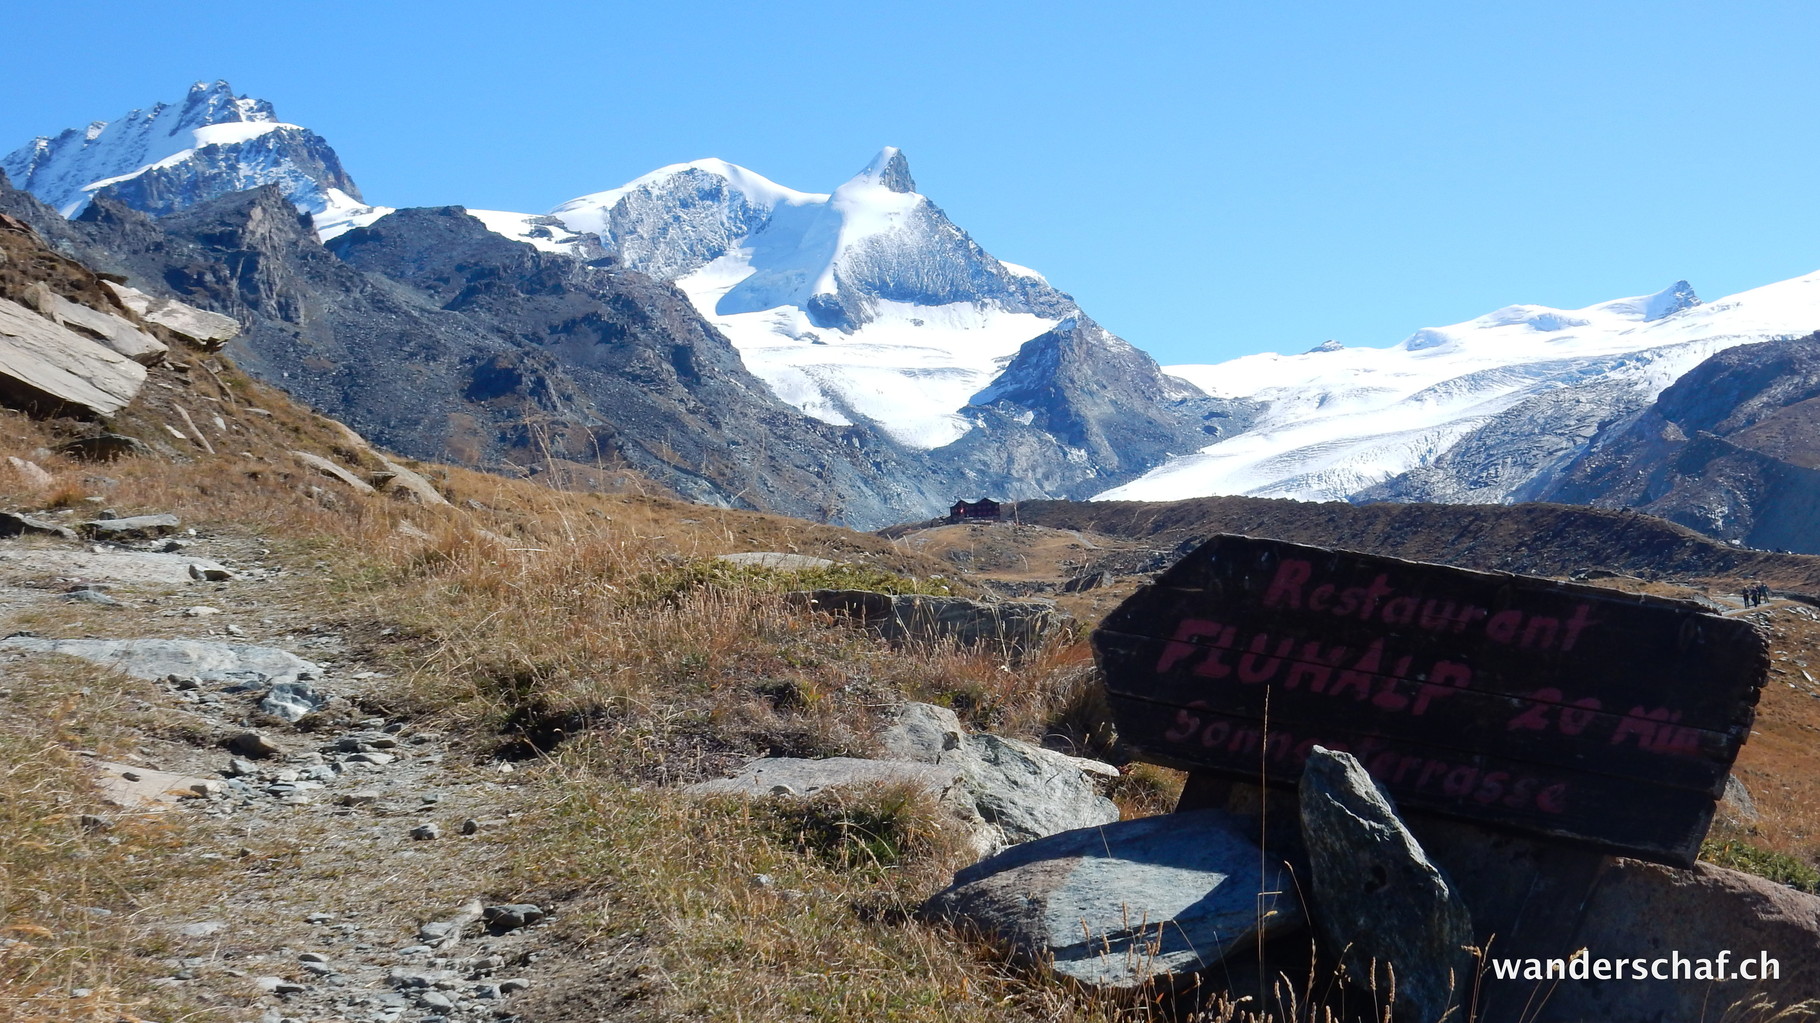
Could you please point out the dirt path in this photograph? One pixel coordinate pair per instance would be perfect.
(354, 863)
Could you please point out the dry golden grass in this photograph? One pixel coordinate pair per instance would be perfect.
(74, 871)
(590, 629)
(592, 633)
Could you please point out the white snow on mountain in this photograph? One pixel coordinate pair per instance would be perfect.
(342, 213)
(65, 170)
(864, 304)
(1342, 419)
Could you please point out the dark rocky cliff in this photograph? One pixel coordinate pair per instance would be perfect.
(1731, 449)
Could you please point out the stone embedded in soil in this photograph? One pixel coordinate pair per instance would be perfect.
(292, 701)
(254, 745)
(158, 658)
(513, 916)
(137, 527)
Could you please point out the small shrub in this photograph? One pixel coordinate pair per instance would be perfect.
(879, 828)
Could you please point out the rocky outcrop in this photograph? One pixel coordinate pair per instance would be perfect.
(51, 370)
(1134, 903)
(112, 331)
(1020, 791)
(1003, 790)
(207, 331)
(1732, 449)
(1381, 908)
(1080, 409)
(1013, 627)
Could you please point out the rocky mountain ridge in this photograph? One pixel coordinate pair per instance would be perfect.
(889, 408)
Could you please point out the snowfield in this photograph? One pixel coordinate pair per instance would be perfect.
(1344, 419)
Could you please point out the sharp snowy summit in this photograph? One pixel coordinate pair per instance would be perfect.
(864, 305)
(878, 323)
(169, 157)
(871, 329)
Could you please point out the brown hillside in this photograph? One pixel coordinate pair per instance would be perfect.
(1533, 539)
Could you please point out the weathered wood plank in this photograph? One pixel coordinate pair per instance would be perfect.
(1633, 744)
(1606, 718)
(1612, 814)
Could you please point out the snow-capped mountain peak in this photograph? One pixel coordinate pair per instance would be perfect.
(888, 170)
(1339, 423)
(861, 304)
(170, 156)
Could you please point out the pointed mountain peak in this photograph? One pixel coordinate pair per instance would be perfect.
(215, 103)
(890, 169)
(1670, 300)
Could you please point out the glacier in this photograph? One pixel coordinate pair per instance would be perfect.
(860, 305)
(1342, 423)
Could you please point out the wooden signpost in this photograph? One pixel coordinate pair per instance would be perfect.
(1583, 714)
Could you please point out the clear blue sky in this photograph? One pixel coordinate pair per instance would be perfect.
(1208, 179)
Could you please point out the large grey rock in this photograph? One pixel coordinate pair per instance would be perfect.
(409, 483)
(792, 776)
(17, 524)
(106, 328)
(1380, 907)
(48, 368)
(208, 330)
(1625, 910)
(157, 658)
(134, 527)
(333, 471)
(1128, 903)
(1021, 791)
(1012, 627)
(122, 566)
(1640, 910)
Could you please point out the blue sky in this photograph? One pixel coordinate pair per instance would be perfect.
(1208, 179)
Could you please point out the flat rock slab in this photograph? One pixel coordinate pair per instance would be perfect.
(776, 559)
(156, 658)
(17, 524)
(106, 328)
(1129, 903)
(133, 567)
(47, 366)
(333, 471)
(412, 484)
(209, 330)
(141, 788)
(133, 527)
(790, 776)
